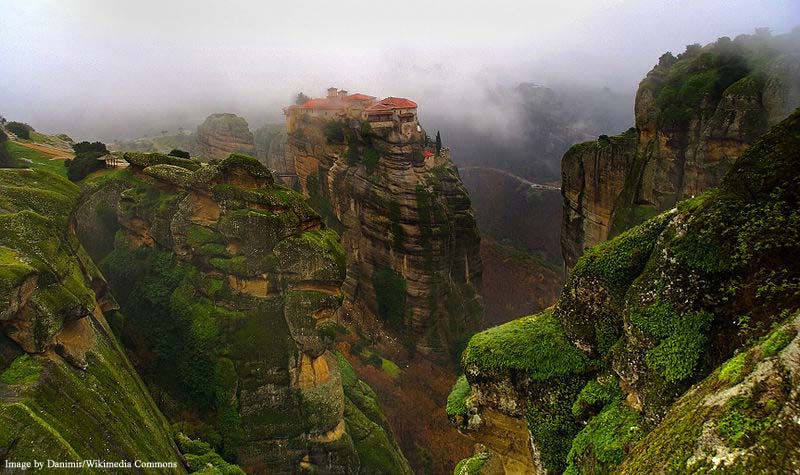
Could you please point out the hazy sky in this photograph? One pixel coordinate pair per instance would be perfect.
(112, 69)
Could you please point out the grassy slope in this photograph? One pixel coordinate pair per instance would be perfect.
(38, 160)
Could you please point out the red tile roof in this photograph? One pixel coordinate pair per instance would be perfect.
(391, 103)
(379, 107)
(399, 103)
(360, 97)
(427, 154)
(330, 104)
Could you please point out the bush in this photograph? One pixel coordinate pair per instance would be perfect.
(5, 157)
(20, 129)
(82, 148)
(85, 161)
(180, 153)
(334, 131)
(390, 291)
(370, 159)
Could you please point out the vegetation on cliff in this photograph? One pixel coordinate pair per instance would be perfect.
(62, 373)
(229, 285)
(417, 266)
(695, 115)
(685, 296)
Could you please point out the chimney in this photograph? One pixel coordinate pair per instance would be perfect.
(342, 93)
(331, 92)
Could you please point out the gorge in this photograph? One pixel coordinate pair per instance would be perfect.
(347, 293)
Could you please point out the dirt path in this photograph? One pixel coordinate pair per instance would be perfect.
(54, 153)
(539, 186)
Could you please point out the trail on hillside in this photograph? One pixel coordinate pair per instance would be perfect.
(54, 153)
(539, 186)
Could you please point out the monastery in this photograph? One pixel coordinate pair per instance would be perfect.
(388, 112)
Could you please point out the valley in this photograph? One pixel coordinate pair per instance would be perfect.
(493, 256)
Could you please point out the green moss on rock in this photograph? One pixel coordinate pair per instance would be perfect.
(372, 437)
(605, 441)
(535, 346)
(144, 160)
(457, 400)
(24, 370)
(245, 162)
(174, 174)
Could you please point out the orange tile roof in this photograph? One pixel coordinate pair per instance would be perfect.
(330, 104)
(399, 103)
(391, 103)
(360, 97)
(379, 107)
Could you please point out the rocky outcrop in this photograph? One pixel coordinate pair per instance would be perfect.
(223, 134)
(67, 390)
(408, 230)
(672, 346)
(695, 115)
(230, 285)
(271, 148)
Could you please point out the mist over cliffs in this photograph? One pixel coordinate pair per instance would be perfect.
(542, 246)
(666, 332)
(695, 114)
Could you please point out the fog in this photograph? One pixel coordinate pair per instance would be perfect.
(114, 70)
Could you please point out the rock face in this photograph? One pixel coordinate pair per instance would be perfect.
(408, 230)
(223, 134)
(230, 285)
(673, 347)
(695, 114)
(67, 390)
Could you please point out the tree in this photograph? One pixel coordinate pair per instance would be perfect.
(86, 159)
(301, 98)
(82, 148)
(5, 157)
(438, 143)
(20, 129)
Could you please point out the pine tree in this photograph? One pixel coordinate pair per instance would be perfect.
(438, 143)
(300, 98)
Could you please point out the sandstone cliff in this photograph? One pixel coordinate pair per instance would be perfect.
(223, 134)
(271, 148)
(67, 390)
(230, 286)
(695, 114)
(672, 349)
(408, 230)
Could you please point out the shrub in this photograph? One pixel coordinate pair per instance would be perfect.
(370, 159)
(85, 161)
(390, 291)
(20, 129)
(334, 131)
(5, 157)
(83, 148)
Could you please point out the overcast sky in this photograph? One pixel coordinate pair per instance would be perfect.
(111, 69)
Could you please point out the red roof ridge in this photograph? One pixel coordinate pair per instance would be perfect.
(399, 102)
(360, 97)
